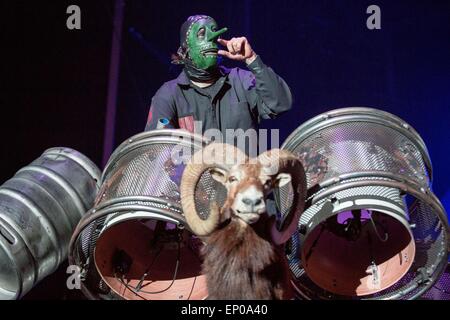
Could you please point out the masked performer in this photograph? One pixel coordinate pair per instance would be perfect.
(220, 98)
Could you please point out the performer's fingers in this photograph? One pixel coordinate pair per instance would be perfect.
(230, 46)
(236, 45)
(224, 53)
(241, 44)
(222, 41)
(229, 55)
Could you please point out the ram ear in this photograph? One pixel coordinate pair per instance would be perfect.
(218, 174)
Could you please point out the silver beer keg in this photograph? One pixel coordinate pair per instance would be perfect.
(39, 209)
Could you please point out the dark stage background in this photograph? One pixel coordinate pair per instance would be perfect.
(55, 81)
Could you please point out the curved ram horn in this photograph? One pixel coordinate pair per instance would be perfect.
(278, 162)
(213, 156)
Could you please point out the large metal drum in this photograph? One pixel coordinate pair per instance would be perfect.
(372, 228)
(39, 209)
(133, 244)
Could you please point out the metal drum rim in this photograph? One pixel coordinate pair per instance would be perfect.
(365, 174)
(157, 133)
(114, 206)
(442, 266)
(115, 219)
(434, 203)
(119, 200)
(358, 114)
(405, 185)
(153, 137)
(141, 143)
(160, 132)
(352, 111)
(385, 211)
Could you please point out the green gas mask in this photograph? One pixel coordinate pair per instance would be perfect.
(200, 41)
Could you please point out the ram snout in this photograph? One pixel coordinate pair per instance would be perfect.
(249, 204)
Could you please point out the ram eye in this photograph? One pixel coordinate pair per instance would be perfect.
(232, 179)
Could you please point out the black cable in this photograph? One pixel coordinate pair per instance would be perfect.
(376, 231)
(128, 287)
(310, 251)
(192, 289)
(174, 275)
(137, 289)
(139, 285)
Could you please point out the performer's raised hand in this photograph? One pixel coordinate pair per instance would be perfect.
(238, 49)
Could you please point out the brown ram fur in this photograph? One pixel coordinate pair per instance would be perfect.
(240, 262)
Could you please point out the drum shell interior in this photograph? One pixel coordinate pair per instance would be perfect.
(364, 153)
(140, 188)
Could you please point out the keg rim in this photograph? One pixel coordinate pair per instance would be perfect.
(82, 160)
(4, 293)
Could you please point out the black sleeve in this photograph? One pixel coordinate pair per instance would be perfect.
(162, 106)
(269, 92)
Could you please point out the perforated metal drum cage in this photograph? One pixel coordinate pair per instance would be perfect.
(370, 169)
(139, 196)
